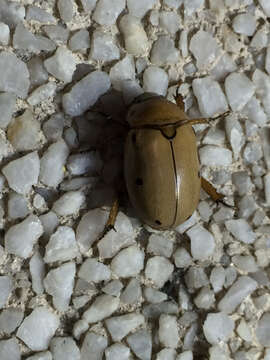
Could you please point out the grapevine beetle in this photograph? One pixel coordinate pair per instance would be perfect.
(161, 164)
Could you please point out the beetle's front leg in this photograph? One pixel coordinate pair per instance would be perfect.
(212, 192)
(112, 216)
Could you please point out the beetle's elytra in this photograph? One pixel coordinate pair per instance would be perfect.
(161, 162)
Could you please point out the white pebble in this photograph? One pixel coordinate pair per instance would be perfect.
(80, 41)
(191, 6)
(210, 96)
(93, 346)
(10, 319)
(69, 203)
(24, 132)
(168, 331)
(53, 128)
(64, 348)
(169, 21)
(30, 229)
(121, 71)
(152, 270)
(182, 258)
(37, 329)
(196, 278)
(266, 7)
(103, 47)
(42, 93)
(85, 93)
(62, 245)
(61, 65)
(160, 245)
(164, 52)
(186, 355)
(140, 7)
(136, 41)
(243, 287)
(102, 307)
(218, 327)
(37, 271)
(114, 288)
(217, 278)
(202, 242)
(54, 158)
(37, 14)
(239, 90)
(244, 24)
(89, 163)
(4, 34)
(17, 206)
(132, 293)
(117, 352)
(166, 354)
(155, 80)
(235, 135)
(154, 296)
(92, 270)
(241, 230)
(211, 155)
(6, 287)
(245, 263)
(262, 84)
(141, 344)
(90, 227)
(23, 173)
(225, 66)
(262, 331)
(120, 326)
(10, 350)
(128, 262)
(49, 222)
(107, 11)
(244, 331)
(66, 9)
(205, 298)
(205, 49)
(7, 107)
(266, 179)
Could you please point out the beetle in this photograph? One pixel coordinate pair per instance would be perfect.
(161, 165)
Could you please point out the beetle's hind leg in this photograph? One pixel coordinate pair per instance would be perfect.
(111, 219)
(179, 100)
(212, 192)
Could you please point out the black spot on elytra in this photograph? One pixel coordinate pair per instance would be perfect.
(158, 222)
(139, 181)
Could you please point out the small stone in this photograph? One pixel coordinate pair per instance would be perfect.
(49, 222)
(168, 331)
(136, 41)
(7, 107)
(214, 136)
(186, 355)
(42, 93)
(152, 270)
(114, 241)
(210, 96)
(252, 152)
(57, 33)
(66, 9)
(103, 307)
(204, 48)
(192, 6)
(128, 262)
(169, 21)
(9, 350)
(6, 287)
(173, 3)
(230, 276)
(85, 93)
(17, 206)
(182, 259)
(80, 327)
(164, 52)
(245, 263)
(29, 230)
(211, 155)
(62, 245)
(187, 224)
(155, 80)
(61, 65)
(35, 13)
(89, 163)
(160, 245)
(205, 298)
(262, 331)
(242, 182)
(217, 278)
(54, 158)
(244, 24)
(235, 135)
(141, 344)
(225, 66)
(166, 354)
(117, 352)
(53, 128)
(218, 327)
(132, 293)
(244, 331)
(140, 7)
(196, 278)
(24, 132)
(153, 311)
(262, 84)
(113, 288)
(11, 13)
(154, 296)
(10, 319)
(259, 40)
(4, 34)
(92, 270)
(107, 11)
(202, 242)
(266, 7)
(60, 290)
(103, 47)
(120, 326)
(37, 329)
(205, 210)
(88, 5)
(80, 41)
(123, 70)
(69, 203)
(241, 230)
(37, 271)
(254, 112)
(243, 287)
(93, 346)
(38, 74)
(131, 89)
(64, 347)
(239, 90)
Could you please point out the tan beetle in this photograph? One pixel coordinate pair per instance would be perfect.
(161, 163)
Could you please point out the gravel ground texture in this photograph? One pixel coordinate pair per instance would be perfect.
(69, 69)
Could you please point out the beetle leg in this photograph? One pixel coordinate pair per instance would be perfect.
(112, 217)
(212, 192)
(192, 122)
(179, 100)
